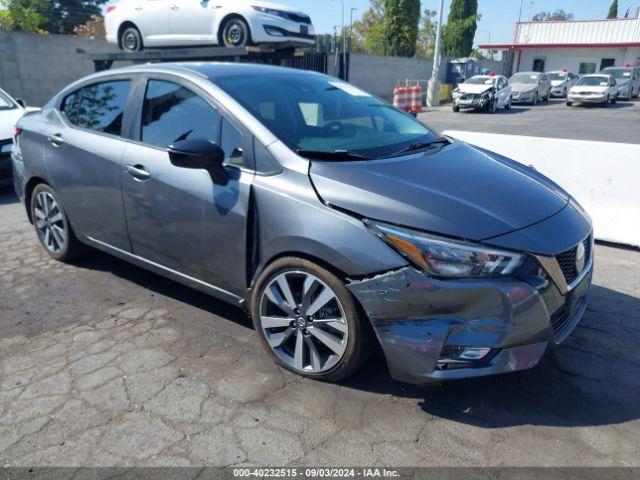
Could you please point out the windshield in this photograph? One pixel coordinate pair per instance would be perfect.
(5, 101)
(321, 114)
(479, 81)
(618, 73)
(593, 81)
(524, 78)
(556, 76)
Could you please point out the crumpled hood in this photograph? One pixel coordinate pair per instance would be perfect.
(522, 87)
(473, 88)
(458, 191)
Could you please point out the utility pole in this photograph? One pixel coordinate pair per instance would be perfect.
(344, 49)
(520, 14)
(353, 9)
(433, 88)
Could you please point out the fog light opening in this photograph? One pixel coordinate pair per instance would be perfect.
(453, 356)
(474, 353)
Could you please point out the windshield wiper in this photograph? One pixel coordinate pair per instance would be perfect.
(422, 145)
(343, 155)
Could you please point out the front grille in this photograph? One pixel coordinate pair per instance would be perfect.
(294, 17)
(567, 260)
(560, 319)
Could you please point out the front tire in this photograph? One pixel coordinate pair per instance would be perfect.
(455, 108)
(535, 99)
(307, 320)
(235, 33)
(131, 40)
(569, 104)
(52, 225)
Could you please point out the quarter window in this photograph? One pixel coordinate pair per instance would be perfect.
(232, 145)
(171, 113)
(70, 106)
(101, 106)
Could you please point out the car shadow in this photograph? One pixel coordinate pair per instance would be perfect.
(591, 380)
(100, 261)
(614, 106)
(8, 196)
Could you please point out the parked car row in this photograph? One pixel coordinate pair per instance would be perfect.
(492, 92)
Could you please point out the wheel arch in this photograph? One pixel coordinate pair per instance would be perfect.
(123, 26)
(28, 191)
(225, 19)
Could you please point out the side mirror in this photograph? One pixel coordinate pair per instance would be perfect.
(199, 154)
(21, 102)
(414, 113)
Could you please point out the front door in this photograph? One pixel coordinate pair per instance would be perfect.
(177, 217)
(84, 155)
(192, 20)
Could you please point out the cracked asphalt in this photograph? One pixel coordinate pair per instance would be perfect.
(105, 364)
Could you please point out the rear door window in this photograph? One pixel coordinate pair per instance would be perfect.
(100, 107)
(171, 113)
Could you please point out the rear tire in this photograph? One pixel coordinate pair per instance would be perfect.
(303, 326)
(131, 40)
(52, 225)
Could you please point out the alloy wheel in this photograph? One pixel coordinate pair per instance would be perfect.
(50, 222)
(303, 322)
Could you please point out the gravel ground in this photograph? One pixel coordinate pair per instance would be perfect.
(104, 364)
(614, 123)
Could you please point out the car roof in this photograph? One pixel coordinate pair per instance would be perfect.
(529, 73)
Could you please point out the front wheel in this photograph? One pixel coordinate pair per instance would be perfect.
(569, 104)
(492, 106)
(535, 99)
(52, 225)
(455, 108)
(308, 321)
(613, 100)
(235, 33)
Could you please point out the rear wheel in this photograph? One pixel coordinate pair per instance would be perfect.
(131, 40)
(235, 33)
(52, 226)
(308, 321)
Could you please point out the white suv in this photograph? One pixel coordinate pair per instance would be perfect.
(135, 24)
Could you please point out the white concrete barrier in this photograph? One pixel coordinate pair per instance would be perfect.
(604, 177)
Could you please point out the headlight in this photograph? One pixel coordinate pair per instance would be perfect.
(447, 258)
(271, 11)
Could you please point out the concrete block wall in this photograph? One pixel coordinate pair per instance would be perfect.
(36, 67)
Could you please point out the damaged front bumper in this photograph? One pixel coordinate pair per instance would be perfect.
(420, 320)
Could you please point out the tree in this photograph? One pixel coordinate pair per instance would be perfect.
(558, 15)
(613, 10)
(427, 35)
(63, 16)
(23, 15)
(369, 31)
(401, 27)
(460, 30)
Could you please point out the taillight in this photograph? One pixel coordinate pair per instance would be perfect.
(111, 8)
(16, 132)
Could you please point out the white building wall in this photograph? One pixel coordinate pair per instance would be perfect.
(580, 32)
(570, 58)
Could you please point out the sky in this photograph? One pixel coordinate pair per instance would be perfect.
(498, 16)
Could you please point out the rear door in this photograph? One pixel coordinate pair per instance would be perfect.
(179, 218)
(192, 20)
(152, 18)
(84, 158)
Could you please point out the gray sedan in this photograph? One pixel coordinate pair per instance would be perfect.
(529, 87)
(335, 220)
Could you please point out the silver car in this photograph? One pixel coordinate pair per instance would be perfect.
(627, 80)
(529, 87)
(338, 222)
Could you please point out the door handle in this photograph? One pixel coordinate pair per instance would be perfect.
(174, 7)
(138, 172)
(56, 139)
